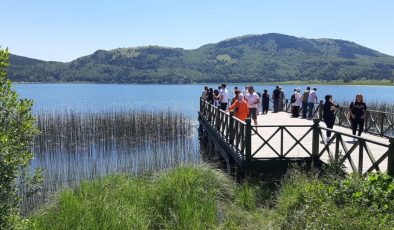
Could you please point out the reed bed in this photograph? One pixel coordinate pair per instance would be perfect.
(75, 146)
(72, 131)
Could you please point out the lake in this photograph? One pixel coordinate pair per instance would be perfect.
(180, 98)
(93, 156)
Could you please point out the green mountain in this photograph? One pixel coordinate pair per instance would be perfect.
(252, 58)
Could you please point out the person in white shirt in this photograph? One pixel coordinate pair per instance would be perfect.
(297, 103)
(223, 97)
(312, 99)
(253, 100)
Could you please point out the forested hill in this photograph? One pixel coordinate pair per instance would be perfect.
(252, 58)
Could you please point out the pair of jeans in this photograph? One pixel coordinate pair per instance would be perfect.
(276, 104)
(330, 124)
(304, 109)
(311, 105)
(357, 123)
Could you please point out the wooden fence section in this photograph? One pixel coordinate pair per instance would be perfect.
(376, 122)
(282, 137)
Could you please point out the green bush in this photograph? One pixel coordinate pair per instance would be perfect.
(16, 133)
(351, 203)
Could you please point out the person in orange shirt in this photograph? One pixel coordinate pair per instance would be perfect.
(240, 108)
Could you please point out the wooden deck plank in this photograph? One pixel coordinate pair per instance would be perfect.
(283, 118)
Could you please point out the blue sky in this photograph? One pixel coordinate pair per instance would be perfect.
(65, 30)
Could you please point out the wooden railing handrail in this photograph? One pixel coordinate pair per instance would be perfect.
(237, 134)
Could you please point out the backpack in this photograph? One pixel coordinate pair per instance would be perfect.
(293, 98)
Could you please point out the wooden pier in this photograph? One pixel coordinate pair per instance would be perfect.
(279, 140)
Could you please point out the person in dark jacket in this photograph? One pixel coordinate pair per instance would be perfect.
(358, 111)
(265, 101)
(210, 96)
(329, 109)
(275, 98)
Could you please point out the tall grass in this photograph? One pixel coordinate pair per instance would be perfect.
(77, 146)
(184, 198)
(200, 197)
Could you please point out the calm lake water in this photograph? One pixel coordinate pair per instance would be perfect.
(64, 168)
(183, 98)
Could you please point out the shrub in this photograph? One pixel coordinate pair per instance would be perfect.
(16, 133)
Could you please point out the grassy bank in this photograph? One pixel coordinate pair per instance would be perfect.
(356, 82)
(361, 82)
(200, 197)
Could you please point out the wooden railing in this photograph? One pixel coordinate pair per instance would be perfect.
(238, 136)
(376, 122)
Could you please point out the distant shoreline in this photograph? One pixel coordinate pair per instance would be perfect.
(353, 83)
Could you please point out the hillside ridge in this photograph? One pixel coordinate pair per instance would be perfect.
(250, 58)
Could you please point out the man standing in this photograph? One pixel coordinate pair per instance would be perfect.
(281, 98)
(223, 97)
(275, 98)
(304, 100)
(312, 99)
(253, 101)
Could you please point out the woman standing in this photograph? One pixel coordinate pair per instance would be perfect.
(329, 108)
(357, 111)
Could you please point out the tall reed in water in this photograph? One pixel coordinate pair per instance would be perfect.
(75, 146)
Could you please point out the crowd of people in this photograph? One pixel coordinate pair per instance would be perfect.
(249, 103)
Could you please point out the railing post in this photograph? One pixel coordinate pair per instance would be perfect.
(381, 124)
(217, 120)
(321, 110)
(315, 138)
(281, 141)
(231, 128)
(366, 121)
(361, 156)
(390, 158)
(248, 140)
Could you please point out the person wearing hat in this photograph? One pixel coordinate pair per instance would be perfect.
(296, 102)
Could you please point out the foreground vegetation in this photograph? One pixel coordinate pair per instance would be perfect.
(200, 197)
(75, 146)
(16, 133)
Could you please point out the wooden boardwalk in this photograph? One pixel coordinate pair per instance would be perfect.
(278, 139)
(284, 119)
